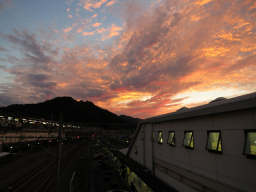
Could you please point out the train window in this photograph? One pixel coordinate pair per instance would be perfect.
(171, 138)
(189, 139)
(214, 142)
(250, 143)
(160, 137)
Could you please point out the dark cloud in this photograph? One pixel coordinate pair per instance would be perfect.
(139, 71)
(2, 49)
(4, 4)
(37, 77)
(2, 67)
(35, 53)
(80, 92)
(243, 63)
(32, 72)
(7, 100)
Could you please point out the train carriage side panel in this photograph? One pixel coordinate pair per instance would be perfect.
(136, 151)
(148, 146)
(231, 167)
(199, 169)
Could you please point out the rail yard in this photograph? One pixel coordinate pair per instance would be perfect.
(37, 170)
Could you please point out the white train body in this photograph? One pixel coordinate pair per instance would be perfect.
(231, 167)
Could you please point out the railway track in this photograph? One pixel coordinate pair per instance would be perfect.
(42, 177)
(26, 183)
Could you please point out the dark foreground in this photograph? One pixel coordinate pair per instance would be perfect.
(84, 167)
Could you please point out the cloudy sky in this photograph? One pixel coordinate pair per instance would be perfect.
(135, 57)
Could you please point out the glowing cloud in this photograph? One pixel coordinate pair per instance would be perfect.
(191, 98)
(97, 24)
(110, 3)
(114, 30)
(203, 2)
(95, 15)
(159, 58)
(95, 5)
(88, 33)
(68, 29)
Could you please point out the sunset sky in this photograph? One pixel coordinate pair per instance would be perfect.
(135, 57)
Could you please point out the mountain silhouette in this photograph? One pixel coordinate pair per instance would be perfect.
(68, 110)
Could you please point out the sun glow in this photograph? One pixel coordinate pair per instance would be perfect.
(192, 98)
(127, 97)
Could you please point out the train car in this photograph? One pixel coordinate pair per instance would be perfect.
(206, 148)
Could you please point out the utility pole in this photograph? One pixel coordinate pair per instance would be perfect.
(59, 154)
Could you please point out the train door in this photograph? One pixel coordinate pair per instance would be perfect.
(148, 146)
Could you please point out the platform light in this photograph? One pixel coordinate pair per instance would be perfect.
(10, 118)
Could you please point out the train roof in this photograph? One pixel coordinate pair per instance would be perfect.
(219, 105)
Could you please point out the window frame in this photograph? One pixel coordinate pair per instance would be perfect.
(174, 138)
(153, 137)
(249, 156)
(188, 147)
(219, 140)
(158, 140)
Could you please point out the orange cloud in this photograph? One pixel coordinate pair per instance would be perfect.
(79, 30)
(248, 49)
(88, 33)
(68, 29)
(110, 3)
(195, 18)
(97, 24)
(202, 2)
(228, 36)
(95, 15)
(168, 56)
(114, 30)
(215, 51)
(62, 85)
(101, 30)
(89, 5)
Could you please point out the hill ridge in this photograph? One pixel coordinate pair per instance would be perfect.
(70, 109)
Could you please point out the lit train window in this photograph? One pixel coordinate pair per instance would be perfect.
(189, 139)
(214, 142)
(250, 143)
(171, 138)
(160, 137)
